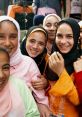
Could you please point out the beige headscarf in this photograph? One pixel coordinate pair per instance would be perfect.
(49, 15)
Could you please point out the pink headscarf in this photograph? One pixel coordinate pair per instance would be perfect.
(10, 101)
(16, 57)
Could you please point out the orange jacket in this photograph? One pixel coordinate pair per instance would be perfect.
(63, 96)
(13, 9)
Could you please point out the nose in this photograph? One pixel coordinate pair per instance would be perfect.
(7, 41)
(63, 40)
(36, 45)
(53, 27)
(1, 74)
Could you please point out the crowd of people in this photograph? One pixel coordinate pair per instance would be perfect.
(41, 74)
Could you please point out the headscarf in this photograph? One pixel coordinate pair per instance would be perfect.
(49, 15)
(38, 20)
(16, 57)
(10, 102)
(40, 59)
(80, 24)
(70, 57)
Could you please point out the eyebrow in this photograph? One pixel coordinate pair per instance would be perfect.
(6, 65)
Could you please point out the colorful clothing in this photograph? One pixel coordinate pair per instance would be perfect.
(63, 96)
(13, 9)
(16, 100)
(24, 67)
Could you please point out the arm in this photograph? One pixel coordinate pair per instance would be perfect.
(13, 9)
(78, 77)
(34, 6)
(68, 7)
(39, 95)
(41, 83)
(64, 85)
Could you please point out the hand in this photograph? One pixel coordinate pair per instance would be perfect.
(44, 110)
(78, 65)
(40, 84)
(56, 63)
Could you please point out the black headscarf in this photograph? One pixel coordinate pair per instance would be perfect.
(75, 52)
(40, 59)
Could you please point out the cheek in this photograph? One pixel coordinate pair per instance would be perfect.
(41, 48)
(15, 43)
(28, 46)
(72, 43)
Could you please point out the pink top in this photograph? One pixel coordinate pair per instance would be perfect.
(25, 67)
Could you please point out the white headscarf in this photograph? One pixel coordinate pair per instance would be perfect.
(49, 15)
(16, 57)
(80, 24)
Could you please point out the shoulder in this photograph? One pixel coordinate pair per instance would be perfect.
(20, 85)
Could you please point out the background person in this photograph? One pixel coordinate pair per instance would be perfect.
(50, 23)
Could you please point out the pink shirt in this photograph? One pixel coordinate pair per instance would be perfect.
(28, 72)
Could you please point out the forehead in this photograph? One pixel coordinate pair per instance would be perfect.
(38, 36)
(64, 28)
(51, 19)
(7, 23)
(4, 57)
(37, 32)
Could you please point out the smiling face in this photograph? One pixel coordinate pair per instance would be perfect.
(64, 38)
(4, 69)
(51, 26)
(35, 43)
(8, 36)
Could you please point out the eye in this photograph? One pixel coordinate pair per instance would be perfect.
(2, 36)
(59, 35)
(13, 36)
(48, 25)
(6, 67)
(32, 41)
(69, 36)
(41, 44)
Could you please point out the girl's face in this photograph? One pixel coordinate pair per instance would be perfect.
(35, 43)
(8, 36)
(51, 26)
(64, 38)
(4, 69)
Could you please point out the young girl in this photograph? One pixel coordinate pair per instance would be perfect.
(16, 99)
(63, 95)
(34, 45)
(21, 66)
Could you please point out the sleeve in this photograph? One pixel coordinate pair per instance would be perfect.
(29, 102)
(78, 83)
(13, 9)
(39, 95)
(65, 87)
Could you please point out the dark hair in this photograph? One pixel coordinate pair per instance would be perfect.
(38, 20)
